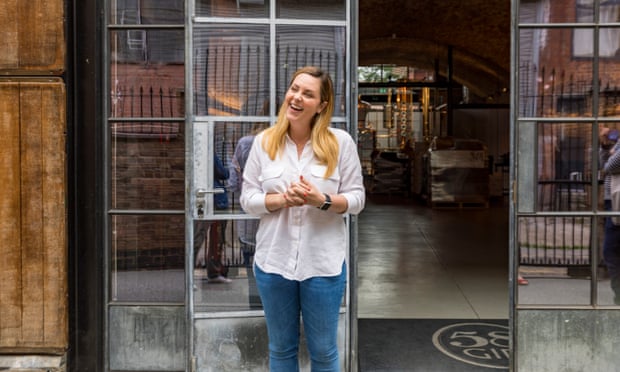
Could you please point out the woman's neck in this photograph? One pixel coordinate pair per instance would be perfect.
(298, 135)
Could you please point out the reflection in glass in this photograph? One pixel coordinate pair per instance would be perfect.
(147, 80)
(610, 251)
(231, 69)
(237, 9)
(552, 81)
(223, 257)
(147, 258)
(554, 256)
(146, 12)
(324, 49)
(312, 9)
(232, 142)
(556, 11)
(609, 96)
(147, 165)
(564, 167)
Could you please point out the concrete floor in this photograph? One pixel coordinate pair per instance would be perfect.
(419, 262)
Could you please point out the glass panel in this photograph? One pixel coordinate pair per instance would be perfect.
(147, 165)
(608, 136)
(557, 11)
(526, 166)
(554, 255)
(325, 49)
(564, 167)
(147, 258)
(609, 277)
(146, 12)
(231, 69)
(237, 9)
(312, 9)
(552, 81)
(609, 96)
(229, 146)
(147, 74)
(223, 256)
(609, 11)
(609, 42)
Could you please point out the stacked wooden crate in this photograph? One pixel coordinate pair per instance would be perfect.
(459, 174)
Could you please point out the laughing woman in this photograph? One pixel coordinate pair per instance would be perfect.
(300, 178)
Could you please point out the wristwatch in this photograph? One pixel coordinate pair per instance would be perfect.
(328, 203)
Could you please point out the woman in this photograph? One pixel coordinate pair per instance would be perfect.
(300, 177)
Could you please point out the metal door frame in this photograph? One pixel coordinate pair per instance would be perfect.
(350, 120)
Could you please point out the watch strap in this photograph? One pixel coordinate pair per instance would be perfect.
(328, 203)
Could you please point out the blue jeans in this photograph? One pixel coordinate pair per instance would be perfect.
(611, 252)
(318, 301)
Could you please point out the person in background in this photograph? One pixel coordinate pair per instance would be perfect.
(246, 229)
(609, 158)
(301, 176)
(210, 233)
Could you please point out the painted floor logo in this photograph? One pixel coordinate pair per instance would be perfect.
(480, 344)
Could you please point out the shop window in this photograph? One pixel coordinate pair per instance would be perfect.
(609, 38)
(149, 46)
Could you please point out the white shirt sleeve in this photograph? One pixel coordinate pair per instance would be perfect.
(351, 179)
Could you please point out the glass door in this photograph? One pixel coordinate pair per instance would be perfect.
(240, 56)
(563, 241)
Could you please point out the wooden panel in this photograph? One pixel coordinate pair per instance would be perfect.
(33, 36)
(10, 223)
(33, 218)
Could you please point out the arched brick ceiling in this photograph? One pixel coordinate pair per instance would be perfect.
(419, 33)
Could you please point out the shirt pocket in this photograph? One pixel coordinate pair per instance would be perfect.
(272, 179)
(328, 185)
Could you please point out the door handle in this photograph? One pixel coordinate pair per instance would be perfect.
(200, 199)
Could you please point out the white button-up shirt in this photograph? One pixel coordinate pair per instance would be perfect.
(301, 242)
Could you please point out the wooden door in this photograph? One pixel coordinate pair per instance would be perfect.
(33, 236)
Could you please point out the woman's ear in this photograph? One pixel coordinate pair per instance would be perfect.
(321, 107)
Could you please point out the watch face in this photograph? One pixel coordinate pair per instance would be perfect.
(327, 204)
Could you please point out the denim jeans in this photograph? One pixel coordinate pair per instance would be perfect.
(611, 253)
(318, 301)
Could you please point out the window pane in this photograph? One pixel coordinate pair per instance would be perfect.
(146, 12)
(552, 83)
(557, 11)
(147, 165)
(147, 258)
(554, 254)
(223, 256)
(237, 9)
(147, 47)
(147, 79)
(565, 167)
(231, 69)
(325, 49)
(312, 9)
(609, 11)
(229, 148)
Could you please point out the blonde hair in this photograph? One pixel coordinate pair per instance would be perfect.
(324, 142)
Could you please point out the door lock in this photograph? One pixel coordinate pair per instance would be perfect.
(200, 203)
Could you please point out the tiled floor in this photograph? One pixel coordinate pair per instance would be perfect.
(418, 262)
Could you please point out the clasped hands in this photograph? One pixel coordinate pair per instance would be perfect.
(302, 193)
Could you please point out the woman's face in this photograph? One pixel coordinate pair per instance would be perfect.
(304, 99)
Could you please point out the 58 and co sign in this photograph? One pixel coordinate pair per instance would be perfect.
(481, 344)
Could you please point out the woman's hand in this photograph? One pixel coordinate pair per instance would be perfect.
(297, 194)
(311, 194)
